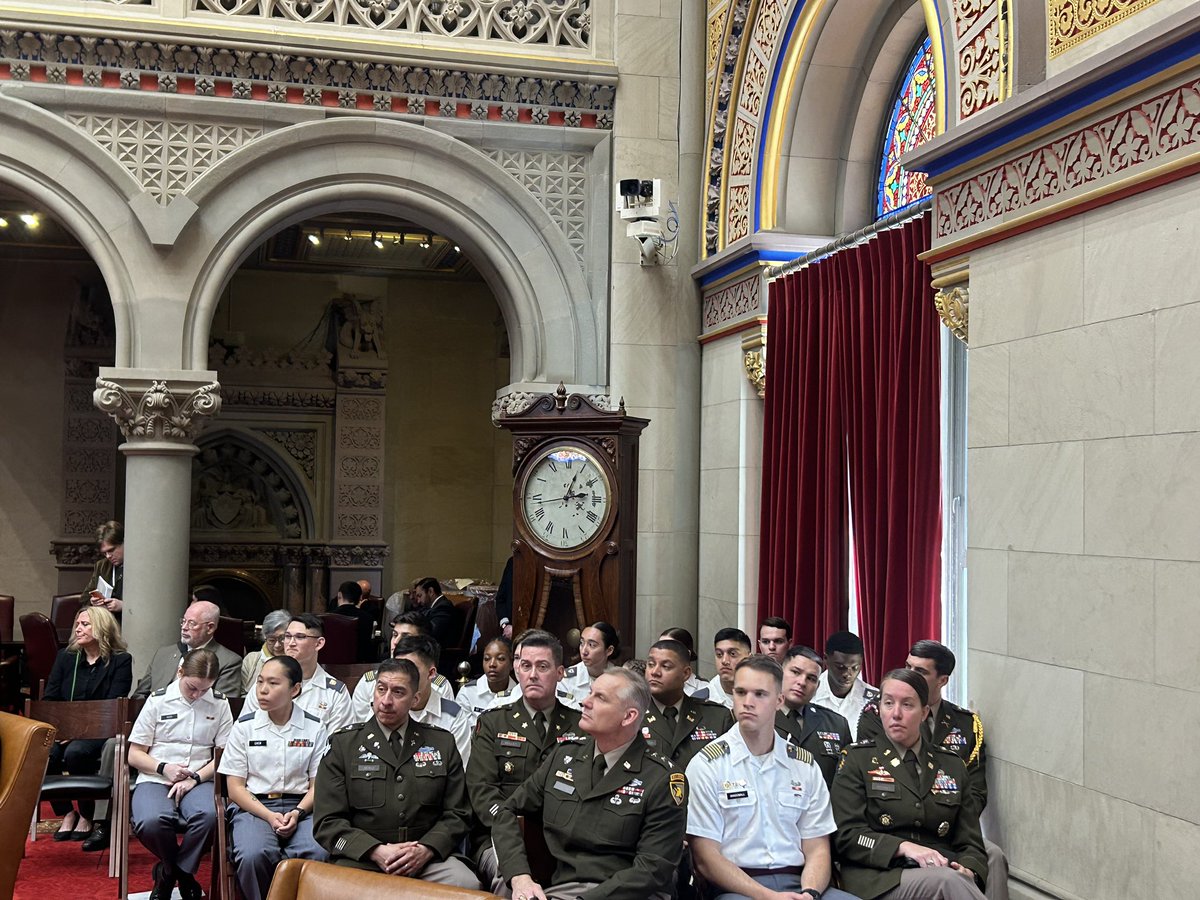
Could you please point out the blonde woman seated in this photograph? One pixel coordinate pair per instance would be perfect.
(908, 827)
(94, 666)
(271, 763)
(172, 746)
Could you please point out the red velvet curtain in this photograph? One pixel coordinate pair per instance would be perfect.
(853, 383)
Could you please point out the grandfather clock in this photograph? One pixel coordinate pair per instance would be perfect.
(575, 470)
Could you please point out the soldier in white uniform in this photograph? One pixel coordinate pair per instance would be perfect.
(599, 644)
(759, 813)
(429, 707)
(730, 646)
(409, 623)
(841, 689)
(320, 693)
(271, 761)
(172, 746)
(479, 695)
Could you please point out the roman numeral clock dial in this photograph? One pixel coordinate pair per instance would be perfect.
(566, 497)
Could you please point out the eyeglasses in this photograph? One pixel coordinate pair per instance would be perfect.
(297, 638)
(543, 667)
(274, 639)
(191, 623)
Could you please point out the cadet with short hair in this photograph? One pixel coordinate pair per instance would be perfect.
(774, 637)
(612, 809)
(841, 688)
(512, 741)
(759, 818)
(820, 731)
(908, 823)
(391, 795)
(677, 726)
(730, 646)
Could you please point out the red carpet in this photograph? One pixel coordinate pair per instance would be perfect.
(52, 870)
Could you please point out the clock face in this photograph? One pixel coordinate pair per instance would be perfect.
(566, 497)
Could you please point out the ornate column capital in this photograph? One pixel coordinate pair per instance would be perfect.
(158, 405)
(953, 305)
(754, 359)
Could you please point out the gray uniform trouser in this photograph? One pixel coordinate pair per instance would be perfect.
(257, 849)
(157, 821)
(789, 882)
(997, 880)
(940, 883)
(570, 890)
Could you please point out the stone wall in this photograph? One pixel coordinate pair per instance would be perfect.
(1084, 503)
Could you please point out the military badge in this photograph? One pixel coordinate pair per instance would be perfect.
(678, 788)
(885, 820)
(508, 768)
(943, 829)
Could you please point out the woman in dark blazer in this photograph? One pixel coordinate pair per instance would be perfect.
(94, 666)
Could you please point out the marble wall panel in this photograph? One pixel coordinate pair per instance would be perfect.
(1027, 497)
(987, 593)
(988, 396)
(1083, 383)
(1176, 606)
(1177, 369)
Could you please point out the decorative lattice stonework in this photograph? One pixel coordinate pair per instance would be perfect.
(559, 182)
(550, 23)
(165, 157)
(239, 73)
(1072, 22)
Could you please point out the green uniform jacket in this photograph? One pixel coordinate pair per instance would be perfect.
(958, 730)
(878, 806)
(700, 723)
(367, 795)
(823, 733)
(508, 748)
(624, 833)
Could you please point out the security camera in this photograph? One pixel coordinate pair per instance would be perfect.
(637, 198)
(629, 187)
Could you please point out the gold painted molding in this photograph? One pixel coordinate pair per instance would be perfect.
(952, 306)
(754, 359)
(1071, 22)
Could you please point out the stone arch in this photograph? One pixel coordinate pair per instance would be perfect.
(823, 180)
(72, 177)
(281, 500)
(555, 326)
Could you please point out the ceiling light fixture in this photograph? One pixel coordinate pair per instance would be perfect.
(314, 239)
(427, 241)
(30, 220)
(3, 222)
(376, 241)
(347, 237)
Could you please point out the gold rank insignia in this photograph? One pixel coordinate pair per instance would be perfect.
(678, 788)
(885, 820)
(943, 829)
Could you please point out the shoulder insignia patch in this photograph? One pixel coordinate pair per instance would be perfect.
(246, 717)
(702, 695)
(571, 671)
(309, 715)
(218, 694)
(678, 783)
(440, 680)
(798, 752)
(716, 750)
(369, 675)
(871, 693)
(871, 707)
(334, 685)
(451, 708)
(160, 692)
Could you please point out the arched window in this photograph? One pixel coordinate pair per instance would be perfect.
(913, 121)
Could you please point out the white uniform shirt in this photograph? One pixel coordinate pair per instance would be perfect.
(476, 696)
(442, 686)
(272, 758)
(757, 808)
(694, 684)
(717, 694)
(579, 680)
(323, 696)
(179, 732)
(364, 691)
(850, 706)
(449, 715)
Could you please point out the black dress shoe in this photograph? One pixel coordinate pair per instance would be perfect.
(98, 840)
(67, 834)
(189, 888)
(164, 882)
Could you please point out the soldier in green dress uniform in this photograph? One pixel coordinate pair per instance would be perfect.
(908, 823)
(818, 729)
(678, 726)
(612, 809)
(391, 795)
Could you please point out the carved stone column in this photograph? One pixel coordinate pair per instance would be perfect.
(291, 560)
(160, 413)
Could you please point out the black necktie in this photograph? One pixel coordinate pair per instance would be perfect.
(910, 760)
(598, 768)
(539, 721)
(672, 715)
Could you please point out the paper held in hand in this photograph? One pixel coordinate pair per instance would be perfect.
(103, 588)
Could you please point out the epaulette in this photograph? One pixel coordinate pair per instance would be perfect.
(716, 750)
(309, 715)
(797, 752)
(334, 685)
(938, 748)
(870, 693)
(661, 760)
(352, 727)
(702, 695)
(246, 717)
(571, 738)
(219, 695)
(451, 707)
(440, 680)
(865, 742)
(571, 671)
(158, 693)
(369, 675)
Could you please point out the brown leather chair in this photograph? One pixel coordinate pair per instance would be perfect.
(41, 647)
(304, 879)
(63, 608)
(231, 634)
(8, 604)
(341, 640)
(26, 747)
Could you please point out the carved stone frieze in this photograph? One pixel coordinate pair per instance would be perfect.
(559, 182)
(278, 398)
(301, 445)
(271, 74)
(516, 402)
(237, 488)
(223, 356)
(155, 412)
(1073, 21)
(368, 555)
(164, 156)
(952, 306)
(75, 554)
(362, 378)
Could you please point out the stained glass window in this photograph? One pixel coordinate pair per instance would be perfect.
(913, 122)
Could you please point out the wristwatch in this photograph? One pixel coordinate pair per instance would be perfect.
(812, 892)
(160, 767)
(303, 813)
(199, 780)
